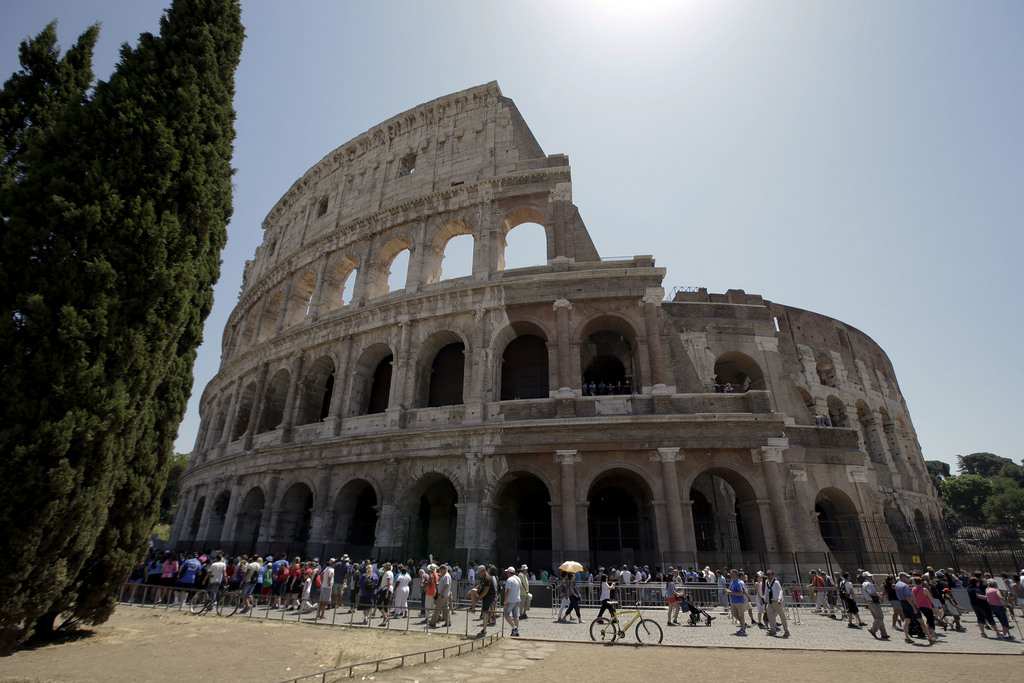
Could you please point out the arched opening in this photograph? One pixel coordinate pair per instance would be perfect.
(300, 299)
(217, 433)
(826, 371)
(295, 514)
(274, 396)
(245, 335)
(811, 415)
(389, 272)
(398, 272)
(371, 381)
(249, 518)
(524, 369)
(837, 412)
(338, 283)
(197, 518)
(924, 533)
(899, 529)
(220, 513)
(738, 372)
(355, 518)
(450, 254)
(447, 374)
(317, 390)
(433, 520)
(524, 513)
(838, 521)
(457, 260)
(607, 361)
(726, 515)
(524, 241)
(245, 407)
(620, 518)
(268, 321)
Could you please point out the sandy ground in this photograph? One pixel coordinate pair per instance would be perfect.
(146, 645)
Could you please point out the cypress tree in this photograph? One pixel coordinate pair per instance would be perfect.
(119, 220)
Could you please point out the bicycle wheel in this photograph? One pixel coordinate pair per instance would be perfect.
(199, 601)
(648, 631)
(602, 630)
(227, 604)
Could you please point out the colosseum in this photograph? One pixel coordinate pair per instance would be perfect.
(565, 410)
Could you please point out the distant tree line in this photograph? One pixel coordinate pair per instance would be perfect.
(988, 489)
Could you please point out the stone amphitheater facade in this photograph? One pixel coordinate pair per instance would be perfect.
(454, 416)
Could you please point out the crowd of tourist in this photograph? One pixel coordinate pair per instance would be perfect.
(921, 603)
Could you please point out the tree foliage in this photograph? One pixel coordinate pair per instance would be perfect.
(115, 203)
(169, 497)
(989, 488)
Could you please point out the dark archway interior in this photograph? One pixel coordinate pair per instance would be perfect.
(434, 522)
(380, 389)
(525, 514)
(363, 525)
(524, 369)
(617, 520)
(447, 374)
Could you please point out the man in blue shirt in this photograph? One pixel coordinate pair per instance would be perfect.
(187, 575)
(738, 600)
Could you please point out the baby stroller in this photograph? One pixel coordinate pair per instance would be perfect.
(696, 613)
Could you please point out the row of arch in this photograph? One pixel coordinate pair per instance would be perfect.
(894, 446)
(620, 516)
(394, 267)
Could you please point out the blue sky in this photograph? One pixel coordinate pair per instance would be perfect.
(864, 160)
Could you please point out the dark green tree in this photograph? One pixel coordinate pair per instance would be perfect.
(982, 464)
(169, 498)
(966, 495)
(938, 471)
(116, 225)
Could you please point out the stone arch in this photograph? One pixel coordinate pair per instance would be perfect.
(434, 257)
(300, 300)
(725, 510)
(609, 353)
(268, 320)
(337, 282)
(837, 412)
(441, 369)
(620, 515)
(924, 533)
(356, 509)
(317, 390)
(908, 442)
(430, 508)
(274, 396)
(381, 270)
(838, 521)
(808, 402)
(197, 519)
(246, 334)
(826, 369)
(898, 527)
(524, 369)
(246, 404)
(294, 516)
(523, 503)
(215, 530)
(249, 518)
(520, 215)
(371, 380)
(738, 371)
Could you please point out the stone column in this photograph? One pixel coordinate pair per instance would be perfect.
(286, 301)
(650, 303)
(204, 519)
(686, 517)
(269, 511)
(567, 460)
(772, 464)
(257, 407)
(562, 308)
(316, 302)
(318, 523)
(294, 389)
(185, 503)
(670, 484)
(229, 423)
(227, 534)
(342, 386)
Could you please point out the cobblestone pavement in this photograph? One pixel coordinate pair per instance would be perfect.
(808, 631)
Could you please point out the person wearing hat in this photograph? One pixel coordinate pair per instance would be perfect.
(524, 581)
(513, 593)
(442, 597)
(905, 594)
(775, 598)
(874, 602)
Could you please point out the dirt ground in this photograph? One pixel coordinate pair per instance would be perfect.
(146, 645)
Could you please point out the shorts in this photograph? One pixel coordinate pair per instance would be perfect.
(280, 587)
(325, 593)
(381, 598)
(673, 601)
(182, 584)
(486, 603)
(737, 609)
(512, 609)
(338, 592)
(247, 589)
(908, 610)
(851, 606)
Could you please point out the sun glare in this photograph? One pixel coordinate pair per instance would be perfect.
(633, 12)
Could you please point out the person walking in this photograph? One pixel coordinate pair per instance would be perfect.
(738, 599)
(869, 593)
(442, 595)
(513, 595)
(775, 598)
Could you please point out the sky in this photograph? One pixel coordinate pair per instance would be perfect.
(864, 160)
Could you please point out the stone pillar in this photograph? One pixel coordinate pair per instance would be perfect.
(229, 423)
(342, 384)
(316, 303)
(185, 503)
(387, 535)
(650, 304)
(562, 308)
(772, 464)
(227, 534)
(294, 389)
(257, 407)
(567, 460)
(286, 301)
(670, 484)
(269, 511)
(204, 519)
(686, 516)
(403, 376)
(317, 535)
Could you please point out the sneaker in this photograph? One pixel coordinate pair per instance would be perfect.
(481, 634)
(786, 634)
(873, 634)
(515, 633)
(523, 616)
(741, 632)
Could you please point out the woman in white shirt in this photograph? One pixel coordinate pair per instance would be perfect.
(402, 583)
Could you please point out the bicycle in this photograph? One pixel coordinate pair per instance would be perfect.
(226, 602)
(603, 629)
